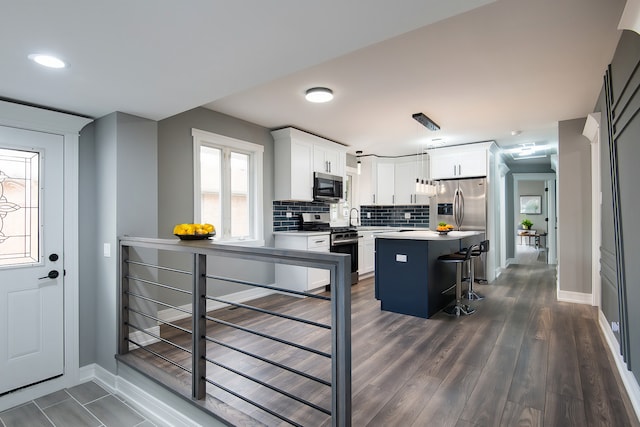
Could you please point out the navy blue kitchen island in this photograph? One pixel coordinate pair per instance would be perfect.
(409, 279)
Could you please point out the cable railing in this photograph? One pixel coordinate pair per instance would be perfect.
(279, 355)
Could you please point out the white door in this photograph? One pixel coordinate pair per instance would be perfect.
(31, 258)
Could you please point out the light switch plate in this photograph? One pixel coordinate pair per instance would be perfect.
(106, 250)
(407, 215)
(289, 214)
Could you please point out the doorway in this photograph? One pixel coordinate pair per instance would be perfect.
(31, 257)
(534, 200)
(49, 139)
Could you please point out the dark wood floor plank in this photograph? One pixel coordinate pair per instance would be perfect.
(447, 403)
(518, 415)
(565, 411)
(528, 386)
(563, 369)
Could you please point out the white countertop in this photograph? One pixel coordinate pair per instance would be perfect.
(301, 233)
(426, 235)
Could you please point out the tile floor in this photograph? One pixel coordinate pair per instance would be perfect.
(85, 405)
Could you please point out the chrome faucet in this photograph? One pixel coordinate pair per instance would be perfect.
(357, 217)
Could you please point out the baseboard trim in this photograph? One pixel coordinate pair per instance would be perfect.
(574, 297)
(172, 315)
(628, 379)
(149, 406)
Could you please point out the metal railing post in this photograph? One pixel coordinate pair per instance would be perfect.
(341, 345)
(123, 302)
(199, 326)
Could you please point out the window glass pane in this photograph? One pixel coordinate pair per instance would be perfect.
(240, 218)
(19, 207)
(210, 186)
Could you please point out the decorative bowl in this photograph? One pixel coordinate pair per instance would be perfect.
(443, 233)
(195, 236)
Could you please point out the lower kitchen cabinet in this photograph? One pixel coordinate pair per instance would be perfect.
(297, 278)
(366, 252)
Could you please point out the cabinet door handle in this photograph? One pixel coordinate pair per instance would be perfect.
(374, 199)
(393, 199)
(454, 170)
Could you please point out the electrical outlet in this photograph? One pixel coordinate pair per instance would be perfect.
(407, 215)
(615, 326)
(368, 215)
(289, 214)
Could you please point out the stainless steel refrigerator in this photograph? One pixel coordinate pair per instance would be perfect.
(462, 203)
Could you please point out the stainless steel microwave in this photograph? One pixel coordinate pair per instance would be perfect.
(327, 188)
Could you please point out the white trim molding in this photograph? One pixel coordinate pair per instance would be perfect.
(628, 379)
(574, 297)
(630, 19)
(592, 132)
(69, 126)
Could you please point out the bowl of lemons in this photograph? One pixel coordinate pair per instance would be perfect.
(443, 228)
(194, 231)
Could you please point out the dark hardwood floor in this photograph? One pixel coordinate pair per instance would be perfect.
(523, 359)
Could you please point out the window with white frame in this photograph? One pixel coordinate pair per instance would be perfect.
(228, 186)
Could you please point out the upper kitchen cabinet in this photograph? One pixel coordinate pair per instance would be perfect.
(462, 161)
(367, 181)
(329, 159)
(375, 186)
(385, 186)
(386, 181)
(298, 155)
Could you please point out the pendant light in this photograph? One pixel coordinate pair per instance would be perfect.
(359, 164)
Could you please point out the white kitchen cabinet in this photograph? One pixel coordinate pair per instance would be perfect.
(294, 166)
(328, 159)
(385, 187)
(406, 172)
(298, 278)
(462, 161)
(298, 155)
(367, 181)
(366, 252)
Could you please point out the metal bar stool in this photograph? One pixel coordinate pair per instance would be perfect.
(459, 259)
(476, 252)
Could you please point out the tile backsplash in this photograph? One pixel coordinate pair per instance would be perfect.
(387, 216)
(280, 209)
(395, 216)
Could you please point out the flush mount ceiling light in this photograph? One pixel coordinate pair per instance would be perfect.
(426, 121)
(319, 94)
(48, 61)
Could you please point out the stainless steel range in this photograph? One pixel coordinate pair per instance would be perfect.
(343, 240)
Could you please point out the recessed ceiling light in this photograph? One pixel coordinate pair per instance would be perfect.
(47, 60)
(319, 94)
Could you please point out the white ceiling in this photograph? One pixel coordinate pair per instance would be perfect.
(478, 68)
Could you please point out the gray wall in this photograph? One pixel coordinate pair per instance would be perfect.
(574, 207)
(88, 253)
(175, 184)
(126, 203)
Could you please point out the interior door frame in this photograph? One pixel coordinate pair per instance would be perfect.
(69, 126)
(550, 180)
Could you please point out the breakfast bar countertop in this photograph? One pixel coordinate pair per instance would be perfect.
(427, 235)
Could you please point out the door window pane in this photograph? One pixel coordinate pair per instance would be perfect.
(240, 218)
(210, 185)
(19, 207)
